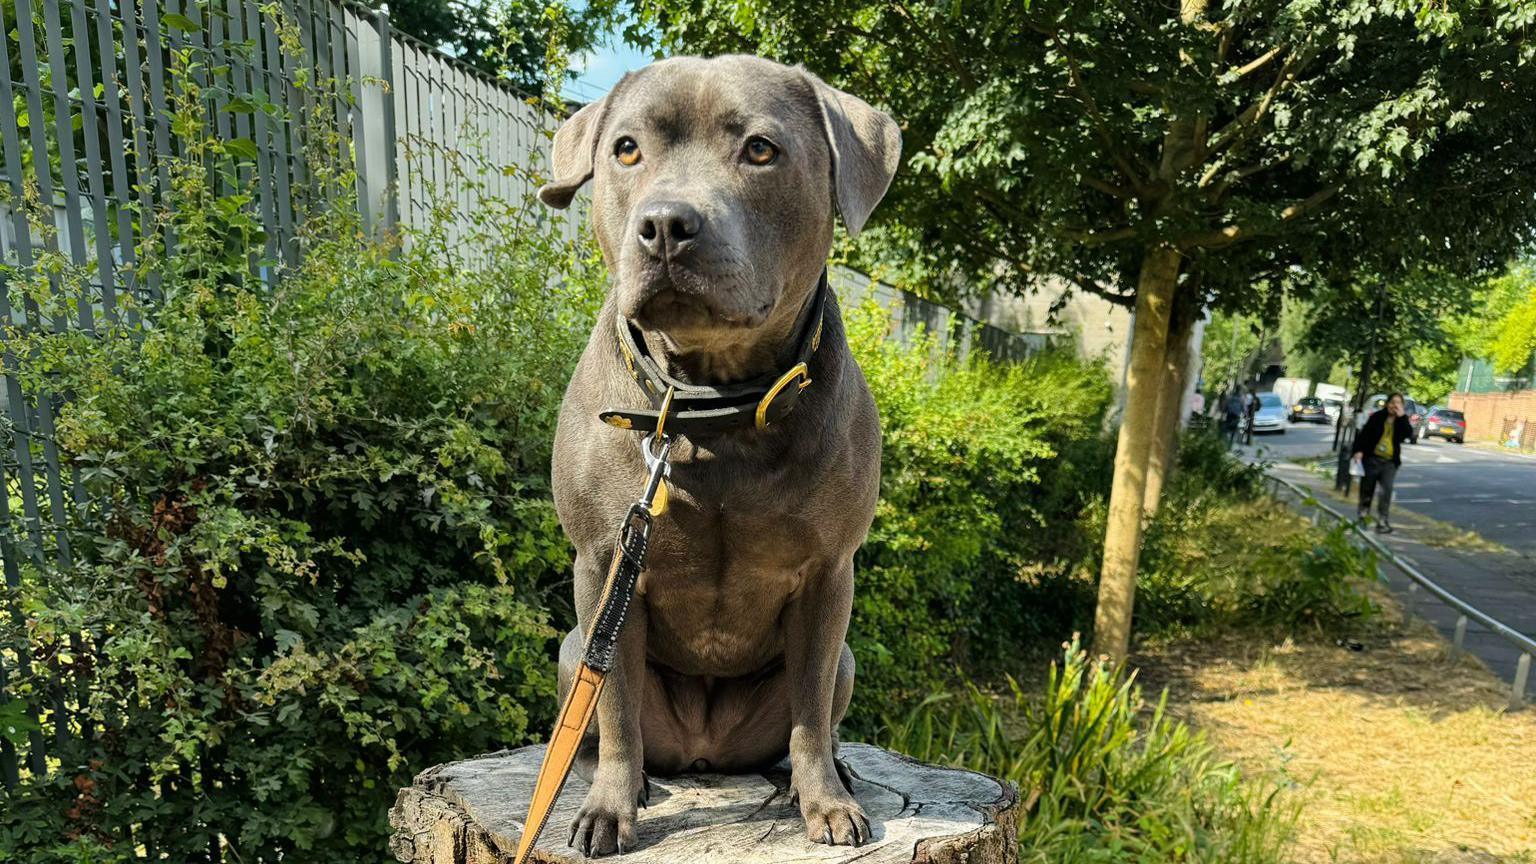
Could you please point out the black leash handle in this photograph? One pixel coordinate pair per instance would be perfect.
(627, 564)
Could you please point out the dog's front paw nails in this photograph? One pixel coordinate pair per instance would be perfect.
(605, 824)
(834, 819)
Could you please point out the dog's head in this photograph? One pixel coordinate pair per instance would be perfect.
(713, 187)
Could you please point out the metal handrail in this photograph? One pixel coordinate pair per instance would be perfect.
(1524, 643)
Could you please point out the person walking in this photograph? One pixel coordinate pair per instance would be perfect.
(1233, 408)
(1379, 447)
(1250, 408)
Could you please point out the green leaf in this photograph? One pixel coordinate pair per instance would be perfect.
(15, 724)
(240, 105)
(242, 147)
(180, 22)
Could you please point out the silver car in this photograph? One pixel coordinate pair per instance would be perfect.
(1271, 414)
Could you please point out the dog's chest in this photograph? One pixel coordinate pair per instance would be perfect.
(723, 565)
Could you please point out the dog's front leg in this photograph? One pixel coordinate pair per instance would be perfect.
(606, 822)
(816, 623)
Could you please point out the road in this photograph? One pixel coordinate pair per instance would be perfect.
(1485, 491)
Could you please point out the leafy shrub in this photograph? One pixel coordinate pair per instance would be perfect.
(1222, 554)
(1111, 778)
(981, 477)
(320, 545)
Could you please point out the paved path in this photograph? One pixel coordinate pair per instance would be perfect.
(1487, 492)
(1483, 490)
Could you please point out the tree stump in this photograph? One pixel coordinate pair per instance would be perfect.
(472, 812)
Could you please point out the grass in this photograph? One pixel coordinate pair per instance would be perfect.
(1399, 753)
(1106, 775)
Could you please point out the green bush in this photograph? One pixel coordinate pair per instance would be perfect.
(320, 552)
(1109, 777)
(984, 468)
(1222, 554)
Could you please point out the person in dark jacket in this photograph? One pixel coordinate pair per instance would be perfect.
(1379, 446)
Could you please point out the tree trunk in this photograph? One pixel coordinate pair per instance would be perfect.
(1122, 536)
(1170, 401)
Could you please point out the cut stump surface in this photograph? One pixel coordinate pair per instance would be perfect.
(472, 812)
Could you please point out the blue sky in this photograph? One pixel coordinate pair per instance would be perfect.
(599, 70)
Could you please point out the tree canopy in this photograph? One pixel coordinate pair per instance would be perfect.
(510, 38)
(1058, 139)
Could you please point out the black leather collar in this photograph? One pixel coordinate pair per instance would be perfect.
(699, 410)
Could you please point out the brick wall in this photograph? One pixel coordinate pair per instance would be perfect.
(1496, 416)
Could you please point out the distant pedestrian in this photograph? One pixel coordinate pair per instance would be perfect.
(1250, 408)
(1379, 446)
(1233, 415)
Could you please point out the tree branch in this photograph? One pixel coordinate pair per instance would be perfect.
(1236, 175)
(1240, 127)
(1108, 188)
(1235, 75)
(1099, 238)
(1228, 235)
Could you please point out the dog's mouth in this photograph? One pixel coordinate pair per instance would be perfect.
(676, 299)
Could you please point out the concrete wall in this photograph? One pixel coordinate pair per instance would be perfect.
(1100, 329)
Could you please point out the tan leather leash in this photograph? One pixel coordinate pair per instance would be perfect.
(603, 638)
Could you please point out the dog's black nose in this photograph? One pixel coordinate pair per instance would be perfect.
(668, 228)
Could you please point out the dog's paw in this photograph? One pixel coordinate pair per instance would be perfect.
(834, 818)
(605, 824)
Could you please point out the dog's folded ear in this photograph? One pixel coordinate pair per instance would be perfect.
(866, 150)
(575, 142)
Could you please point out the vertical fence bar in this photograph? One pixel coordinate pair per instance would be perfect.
(122, 194)
(352, 35)
(237, 53)
(105, 212)
(336, 39)
(388, 100)
(1461, 632)
(264, 166)
(69, 176)
(281, 166)
(156, 110)
(85, 84)
(219, 76)
(141, 120)
(288, 64)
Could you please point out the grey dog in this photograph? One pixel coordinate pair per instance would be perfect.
(714, 183)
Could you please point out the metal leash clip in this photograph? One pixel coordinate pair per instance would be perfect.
(654, 449)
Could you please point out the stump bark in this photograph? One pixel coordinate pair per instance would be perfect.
(472, 812)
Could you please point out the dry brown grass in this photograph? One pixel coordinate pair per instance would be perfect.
(1401, 752)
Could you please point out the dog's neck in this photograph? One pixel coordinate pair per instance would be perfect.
(736, 355)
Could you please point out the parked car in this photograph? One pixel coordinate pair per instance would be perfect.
(1447, 424)
(1309, 408)
(1271, 414)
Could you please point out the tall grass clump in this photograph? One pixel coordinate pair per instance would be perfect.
(1105, 776)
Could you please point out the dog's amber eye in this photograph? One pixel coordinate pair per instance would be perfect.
(627, 151)
(760, 151)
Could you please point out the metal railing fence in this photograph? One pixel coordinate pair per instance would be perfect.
(1466, 612)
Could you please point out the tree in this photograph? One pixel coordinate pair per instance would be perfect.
(1231, 342)
(510, 38)
(1139, 150)
(1393, 330)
